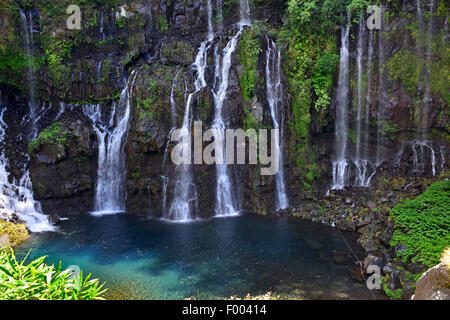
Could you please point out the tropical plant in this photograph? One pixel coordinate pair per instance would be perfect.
(39, 281)
(422, 225)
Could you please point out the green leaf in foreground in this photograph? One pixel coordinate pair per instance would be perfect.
(39, 281)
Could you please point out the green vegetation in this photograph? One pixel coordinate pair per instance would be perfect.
(164, 25)
(53, 134)
(251, 79)
(228, 7)
(440, 69)
(311, 59)
(249, 53)
(422, 225)
(57, 57)
(394, 294)
(39, 281)
(404, 66)
(147, 106)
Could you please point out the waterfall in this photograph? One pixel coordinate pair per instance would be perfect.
(173, 106)
(99, 71)
(165, 178)
(429, 53)
(164, 194)
(420, 27)
(185, 193)
(27, 23)
(419, 54)
(244, 13)
(340, 164)
(62, 109)
(174, 117)
(443, 152)
(224, 196)
(359, 102)
(275, 100)
(102, 27)
(17, 198)
(368, 93)
(418, 149)
(210, 24)
(381, 92)
(422, 150)
(219, 15)
(364, 168)
(110, 188)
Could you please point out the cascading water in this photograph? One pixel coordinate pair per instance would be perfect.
(429, 53)
(173, 105)
(364, 168)
(62, 109)
(359, 102)
(165, 178)
(110, 188)
(17, 198)
(340, 164)
(185, 193)
(275, 99)
(209, 11)
(224, 195)
(421, 151)
(422, 147)
(174, 116)
(244, 13)
(368, 93)
(27, 23)
(381, 91)
(219, 15)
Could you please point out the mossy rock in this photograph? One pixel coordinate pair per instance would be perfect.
(15, 233)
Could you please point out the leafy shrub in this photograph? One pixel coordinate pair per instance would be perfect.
(250, 50)
(53, 133)
(422, 225)
(39, 281)
(404, 66)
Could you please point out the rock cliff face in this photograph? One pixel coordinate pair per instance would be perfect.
(160, 40)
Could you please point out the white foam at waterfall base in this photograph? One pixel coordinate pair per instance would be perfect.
(17, 198)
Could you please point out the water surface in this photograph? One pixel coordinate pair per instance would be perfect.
(152, 259)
